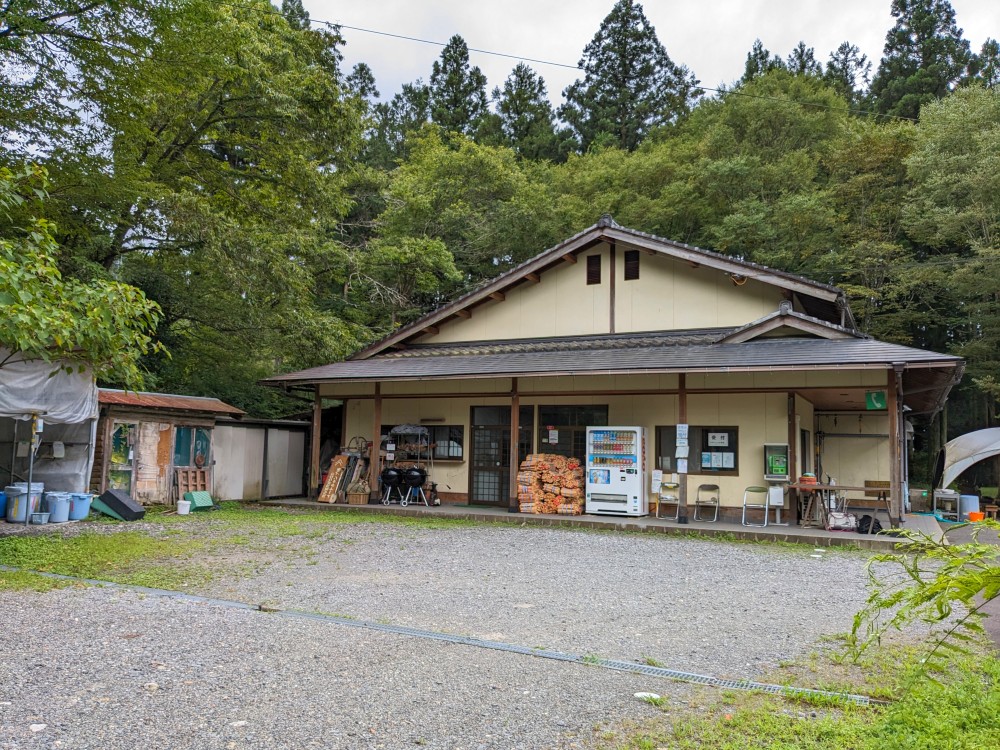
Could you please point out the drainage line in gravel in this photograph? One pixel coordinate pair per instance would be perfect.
(544, 653)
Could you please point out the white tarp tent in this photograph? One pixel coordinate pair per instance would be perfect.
(969, 449)
(66, 401)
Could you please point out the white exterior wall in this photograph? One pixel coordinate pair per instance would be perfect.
(239, 462)
(855, 447)
(669, 294)
(285, 461)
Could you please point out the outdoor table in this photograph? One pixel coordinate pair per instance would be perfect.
(818, 503)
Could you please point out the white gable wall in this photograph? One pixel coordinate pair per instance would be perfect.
(669, 294)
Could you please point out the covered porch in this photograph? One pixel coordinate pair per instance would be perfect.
(839, 405)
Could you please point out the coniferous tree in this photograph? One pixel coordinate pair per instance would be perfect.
(525, 120)
(457, 90)
(802, 61)
(925, 56)
(984, 68)
(295, 13)
(393, 121)
(759, 62)
(630, 84)
(361, 82)
(849, 72)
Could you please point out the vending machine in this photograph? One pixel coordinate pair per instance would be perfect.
(616, 471)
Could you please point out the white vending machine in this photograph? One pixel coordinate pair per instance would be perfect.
(616, 471)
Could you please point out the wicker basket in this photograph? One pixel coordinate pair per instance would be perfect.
(357, 498)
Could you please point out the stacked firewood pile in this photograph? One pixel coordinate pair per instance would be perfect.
(548, 483)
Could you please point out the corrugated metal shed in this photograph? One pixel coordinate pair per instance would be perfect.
(144, 400)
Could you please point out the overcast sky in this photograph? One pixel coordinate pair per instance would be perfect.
(711, 37)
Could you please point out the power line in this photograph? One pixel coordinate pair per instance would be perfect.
(722, 92)
(445, 44)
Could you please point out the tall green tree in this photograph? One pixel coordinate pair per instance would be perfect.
(848, 71)
(295, 13)
(984, 68)
(925, 57)
(760, 62)
(481, 202)
(393, 122)
(630, 84)
(105, 325)
(56, 58)
(457, 89)
(213, 167)
(802, 61)
(954, 209)
(524, 119)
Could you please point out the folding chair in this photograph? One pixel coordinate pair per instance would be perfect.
(669, 495)
(707, 496)
(755, 498)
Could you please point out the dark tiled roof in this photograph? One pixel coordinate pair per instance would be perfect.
(752, 356)
(564, 343)
(165, 401)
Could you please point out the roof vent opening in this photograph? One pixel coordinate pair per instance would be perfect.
(593, 269)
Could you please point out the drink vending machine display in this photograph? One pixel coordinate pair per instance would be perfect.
(616, 471)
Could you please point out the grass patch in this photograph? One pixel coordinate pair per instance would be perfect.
(957, 709)
(126, 557)
(19, 580)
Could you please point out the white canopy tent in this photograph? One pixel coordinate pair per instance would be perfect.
(66, 402)
(969, 449)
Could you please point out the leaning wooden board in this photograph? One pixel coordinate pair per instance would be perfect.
(337, 467)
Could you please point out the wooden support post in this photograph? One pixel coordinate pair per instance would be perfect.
(894, 409)
(314, 446)
(515, 426)
(376, 439)
(611, 290)
(682, 418)
(793, 441)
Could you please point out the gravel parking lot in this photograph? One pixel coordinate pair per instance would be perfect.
(101, 668)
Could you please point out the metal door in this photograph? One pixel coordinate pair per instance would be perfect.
(489, 475)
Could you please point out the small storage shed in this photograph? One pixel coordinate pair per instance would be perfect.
(145, 441)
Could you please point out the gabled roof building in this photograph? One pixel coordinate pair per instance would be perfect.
(619, 327)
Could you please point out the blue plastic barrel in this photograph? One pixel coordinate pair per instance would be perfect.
(58, 506)
(79, 505)
(3, 504)
(17, 503)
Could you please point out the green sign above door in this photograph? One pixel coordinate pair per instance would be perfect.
(875, 400)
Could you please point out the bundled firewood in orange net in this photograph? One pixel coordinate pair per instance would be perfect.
(570, 509)
(526, 507)
(550, 481)
(527, 476)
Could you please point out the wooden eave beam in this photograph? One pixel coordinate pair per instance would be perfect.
(498, 296)
(569, 258)
(463, 313)
(534, 278)
(432, 329)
